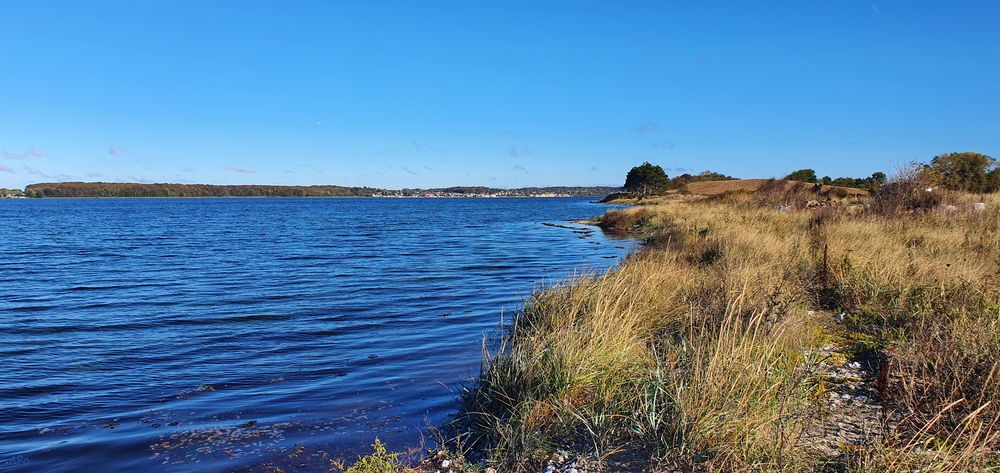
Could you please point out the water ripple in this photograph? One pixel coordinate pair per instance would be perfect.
(130, 324)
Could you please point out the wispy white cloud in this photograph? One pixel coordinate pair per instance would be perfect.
(34, 153)
(521, 168)
(38, 172)
(409, 170)
(117, 151)
(242, 170)
(6, 169)
(94, 174)
(647, 127)
(310, 168)
(517, 152)
(422, 146)
(665, 144)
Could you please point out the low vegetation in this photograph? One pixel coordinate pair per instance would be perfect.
(766, 325)
(709, 349)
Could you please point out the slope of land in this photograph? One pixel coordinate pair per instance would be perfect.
(767, 188)
(770, 185)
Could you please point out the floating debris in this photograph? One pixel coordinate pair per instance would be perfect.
(247, 438)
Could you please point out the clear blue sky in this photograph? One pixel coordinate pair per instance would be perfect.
(422, 94)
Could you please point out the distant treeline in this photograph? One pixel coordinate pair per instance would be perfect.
(106, 189)
(109, 189)
(522, 191)
(870, 184)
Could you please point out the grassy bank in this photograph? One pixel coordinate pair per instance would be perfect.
(709, 350)
(730, 341)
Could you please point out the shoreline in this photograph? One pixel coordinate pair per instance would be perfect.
(313, 197)
(727, 313)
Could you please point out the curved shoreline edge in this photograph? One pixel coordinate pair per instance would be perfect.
(751, 334)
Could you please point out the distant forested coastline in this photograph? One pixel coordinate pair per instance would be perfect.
(106, 189)
(115, 189)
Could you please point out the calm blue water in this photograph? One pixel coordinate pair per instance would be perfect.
(232, 334)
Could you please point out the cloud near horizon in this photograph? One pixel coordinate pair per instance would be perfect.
(7, 169)
(34, 153)
(521, 168)
(38, 172)
(423, 146)
(242, 170)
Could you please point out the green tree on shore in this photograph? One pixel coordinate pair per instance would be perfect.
(803, 175)
(646, 179)
(967, 171)
(993, 180)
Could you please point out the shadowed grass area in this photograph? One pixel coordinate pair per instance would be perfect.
(699, 352)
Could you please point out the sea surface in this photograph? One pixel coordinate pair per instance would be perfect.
(241, 334)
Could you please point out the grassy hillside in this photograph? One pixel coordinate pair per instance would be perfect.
(771, 185)
(748, 338)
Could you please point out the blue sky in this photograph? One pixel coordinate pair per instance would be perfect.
(507, 94)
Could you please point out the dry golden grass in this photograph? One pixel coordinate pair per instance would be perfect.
(694, 352)
(754, 185)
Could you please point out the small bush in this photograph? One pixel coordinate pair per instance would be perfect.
(379, 461)
(907, 192)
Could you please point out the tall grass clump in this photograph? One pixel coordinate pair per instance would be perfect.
(623, 360)
(923, 289)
